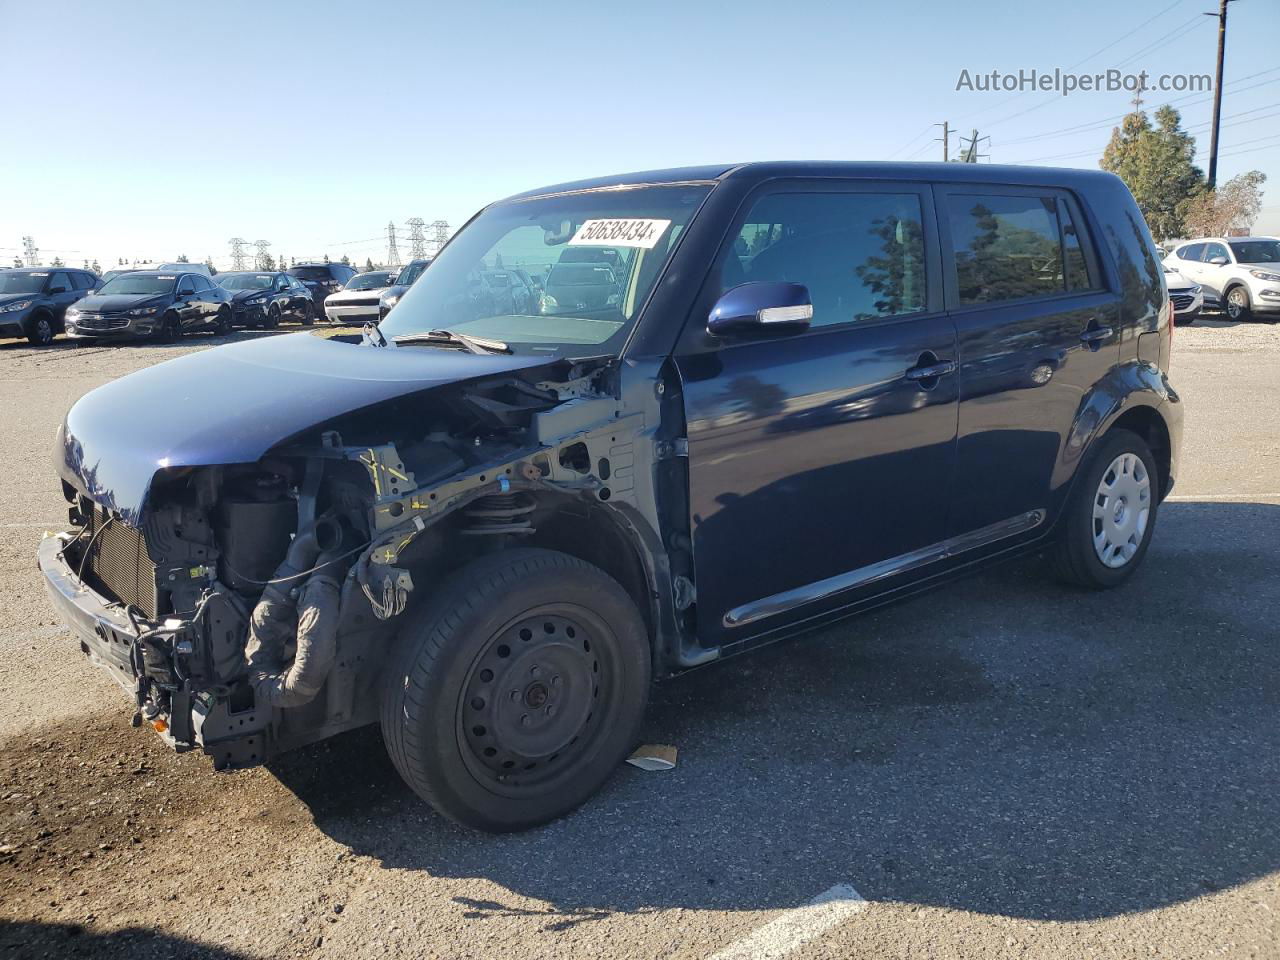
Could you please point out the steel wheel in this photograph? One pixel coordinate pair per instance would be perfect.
(1121, 509)
(530, 698)
(1238, 303)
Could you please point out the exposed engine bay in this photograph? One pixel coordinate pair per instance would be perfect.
(265, 597)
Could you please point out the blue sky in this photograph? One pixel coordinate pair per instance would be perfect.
(135, 130)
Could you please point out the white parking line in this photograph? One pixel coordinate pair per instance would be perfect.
(796, 927)
(1223, 497)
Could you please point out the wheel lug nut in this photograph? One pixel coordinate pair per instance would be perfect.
(535, 671)
(555, 681)
(515, 695)
(551, 710)
(524, 720)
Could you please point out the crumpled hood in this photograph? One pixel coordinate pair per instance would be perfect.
(232, 404)
(240, 296)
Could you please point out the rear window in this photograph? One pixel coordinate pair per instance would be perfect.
(580, 274)
(311, 273)
(1014, 247)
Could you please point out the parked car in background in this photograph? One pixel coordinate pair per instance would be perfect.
(488, 533)
(1239, 274)
(34, 300)
(151, 303)
(357, 301)
(407, 277)
(509, 291)
(578, 285)
(1187, 297)
(264, 298)
(322, 279)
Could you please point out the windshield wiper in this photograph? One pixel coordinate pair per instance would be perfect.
(467, 342)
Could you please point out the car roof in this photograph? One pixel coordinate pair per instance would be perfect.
(847, 169)
(167, 273)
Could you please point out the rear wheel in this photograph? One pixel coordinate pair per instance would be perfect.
(516, 693)
(1111, 515)
(1238, 306)
(308, 313)
(41, 332)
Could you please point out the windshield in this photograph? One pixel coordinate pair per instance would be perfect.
(310, 273)
(598, 255)
(1256, 251)
(411, 273)
(247, 281)
(22, 282)
(368, 281)
(131, 284)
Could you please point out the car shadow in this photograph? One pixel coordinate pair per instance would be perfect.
(1002, 745)
(30, 939)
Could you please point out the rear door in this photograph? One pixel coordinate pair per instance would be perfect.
(1188, 260)
(818, 463)
(1037, 329)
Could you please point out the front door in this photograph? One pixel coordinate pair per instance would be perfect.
(819, 461)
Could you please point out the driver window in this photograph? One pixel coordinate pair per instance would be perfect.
(186, 287)
(860, 254)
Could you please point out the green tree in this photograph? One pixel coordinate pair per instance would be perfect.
(346, 259)
(182, 258)
(368, 264)
(57, 262)
(1156, 164)
(208, 262)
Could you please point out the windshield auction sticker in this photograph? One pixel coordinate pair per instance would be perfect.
(620, 233)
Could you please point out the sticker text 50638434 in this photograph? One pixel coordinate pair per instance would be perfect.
(620, 233)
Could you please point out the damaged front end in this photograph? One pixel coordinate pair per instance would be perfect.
(249, 608)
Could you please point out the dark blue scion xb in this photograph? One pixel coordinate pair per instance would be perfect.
(808, 389)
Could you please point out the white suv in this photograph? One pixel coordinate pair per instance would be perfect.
(1240, 274)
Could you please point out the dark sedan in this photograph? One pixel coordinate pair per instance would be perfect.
(264, 298)
(151, 303)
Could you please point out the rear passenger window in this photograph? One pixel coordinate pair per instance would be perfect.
(860, 254)
(1006, 247)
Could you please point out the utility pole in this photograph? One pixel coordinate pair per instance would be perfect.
(970, 153)
(393, 255)
(1217, 90)
(418, 248)
(237, 253)
(31, 252)
(262, 245)
(946, 140)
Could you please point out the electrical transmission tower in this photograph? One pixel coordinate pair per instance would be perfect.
(441, 228)
(393, 255)
(970, 153)
(261, 262)
(31, 252)
(418, 248)
(237, 253)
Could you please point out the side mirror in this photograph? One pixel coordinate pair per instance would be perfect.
(766, 309)
(57, 289)
(1218, 261)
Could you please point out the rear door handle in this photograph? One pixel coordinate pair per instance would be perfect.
(932, 371)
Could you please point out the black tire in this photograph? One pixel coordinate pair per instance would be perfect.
(271, 318)
(40, 332)
(308, 314)
(470, 697)
(169, 329)
(222, 323)
(1076, 558)
(1237, 306)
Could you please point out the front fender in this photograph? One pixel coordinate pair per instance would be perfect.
(1125, 388)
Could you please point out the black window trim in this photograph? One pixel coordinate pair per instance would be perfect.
(695, 339)
(1084, 233)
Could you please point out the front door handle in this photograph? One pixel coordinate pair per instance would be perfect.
(931, 371)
